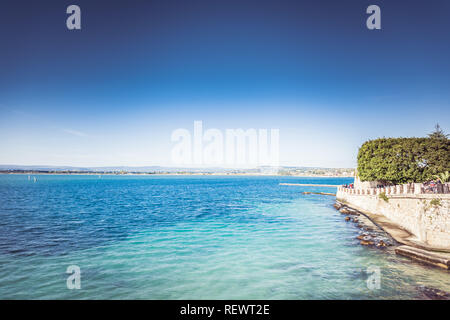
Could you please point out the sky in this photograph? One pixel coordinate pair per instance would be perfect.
(112, 93)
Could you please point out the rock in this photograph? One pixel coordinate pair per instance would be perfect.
(353, 212)
(337, 206)
(347, 218)
(360, 237)
(382, 244)
(434, 294)
(366, 243)
(344, 211)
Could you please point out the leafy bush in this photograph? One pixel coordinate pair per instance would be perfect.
(443, 176)
(435, 202)
(383, 196)
(401, 160)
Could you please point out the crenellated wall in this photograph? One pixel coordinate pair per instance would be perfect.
(402, 189)
(426, 216)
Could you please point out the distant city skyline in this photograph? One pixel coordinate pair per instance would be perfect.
(112, 93)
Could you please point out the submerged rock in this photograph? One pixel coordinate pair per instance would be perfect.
(434, 294)
(382, 244)
(367, 243)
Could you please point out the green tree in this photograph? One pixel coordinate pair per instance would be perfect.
(401, 160)
(438, 133)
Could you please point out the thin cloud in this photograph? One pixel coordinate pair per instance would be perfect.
(75, 132)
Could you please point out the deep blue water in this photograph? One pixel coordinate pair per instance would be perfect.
(189, 237)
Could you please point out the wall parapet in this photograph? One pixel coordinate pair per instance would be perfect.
(402, 189)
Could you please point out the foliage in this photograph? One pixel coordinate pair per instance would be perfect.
(443, 176)
(438, 133)
(435, 202)
(383, 196)
(401, 160)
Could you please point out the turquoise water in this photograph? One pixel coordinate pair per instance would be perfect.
(196, 237)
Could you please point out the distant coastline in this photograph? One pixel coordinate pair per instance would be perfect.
(93, 173)
(283, 171)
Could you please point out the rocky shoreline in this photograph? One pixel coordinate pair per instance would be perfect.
(373, 235)
(370, 234)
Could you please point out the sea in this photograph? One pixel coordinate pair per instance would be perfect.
(191, 237)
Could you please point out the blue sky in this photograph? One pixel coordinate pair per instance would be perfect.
(112, 93)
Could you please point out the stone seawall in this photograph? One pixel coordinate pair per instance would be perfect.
(426, 216)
